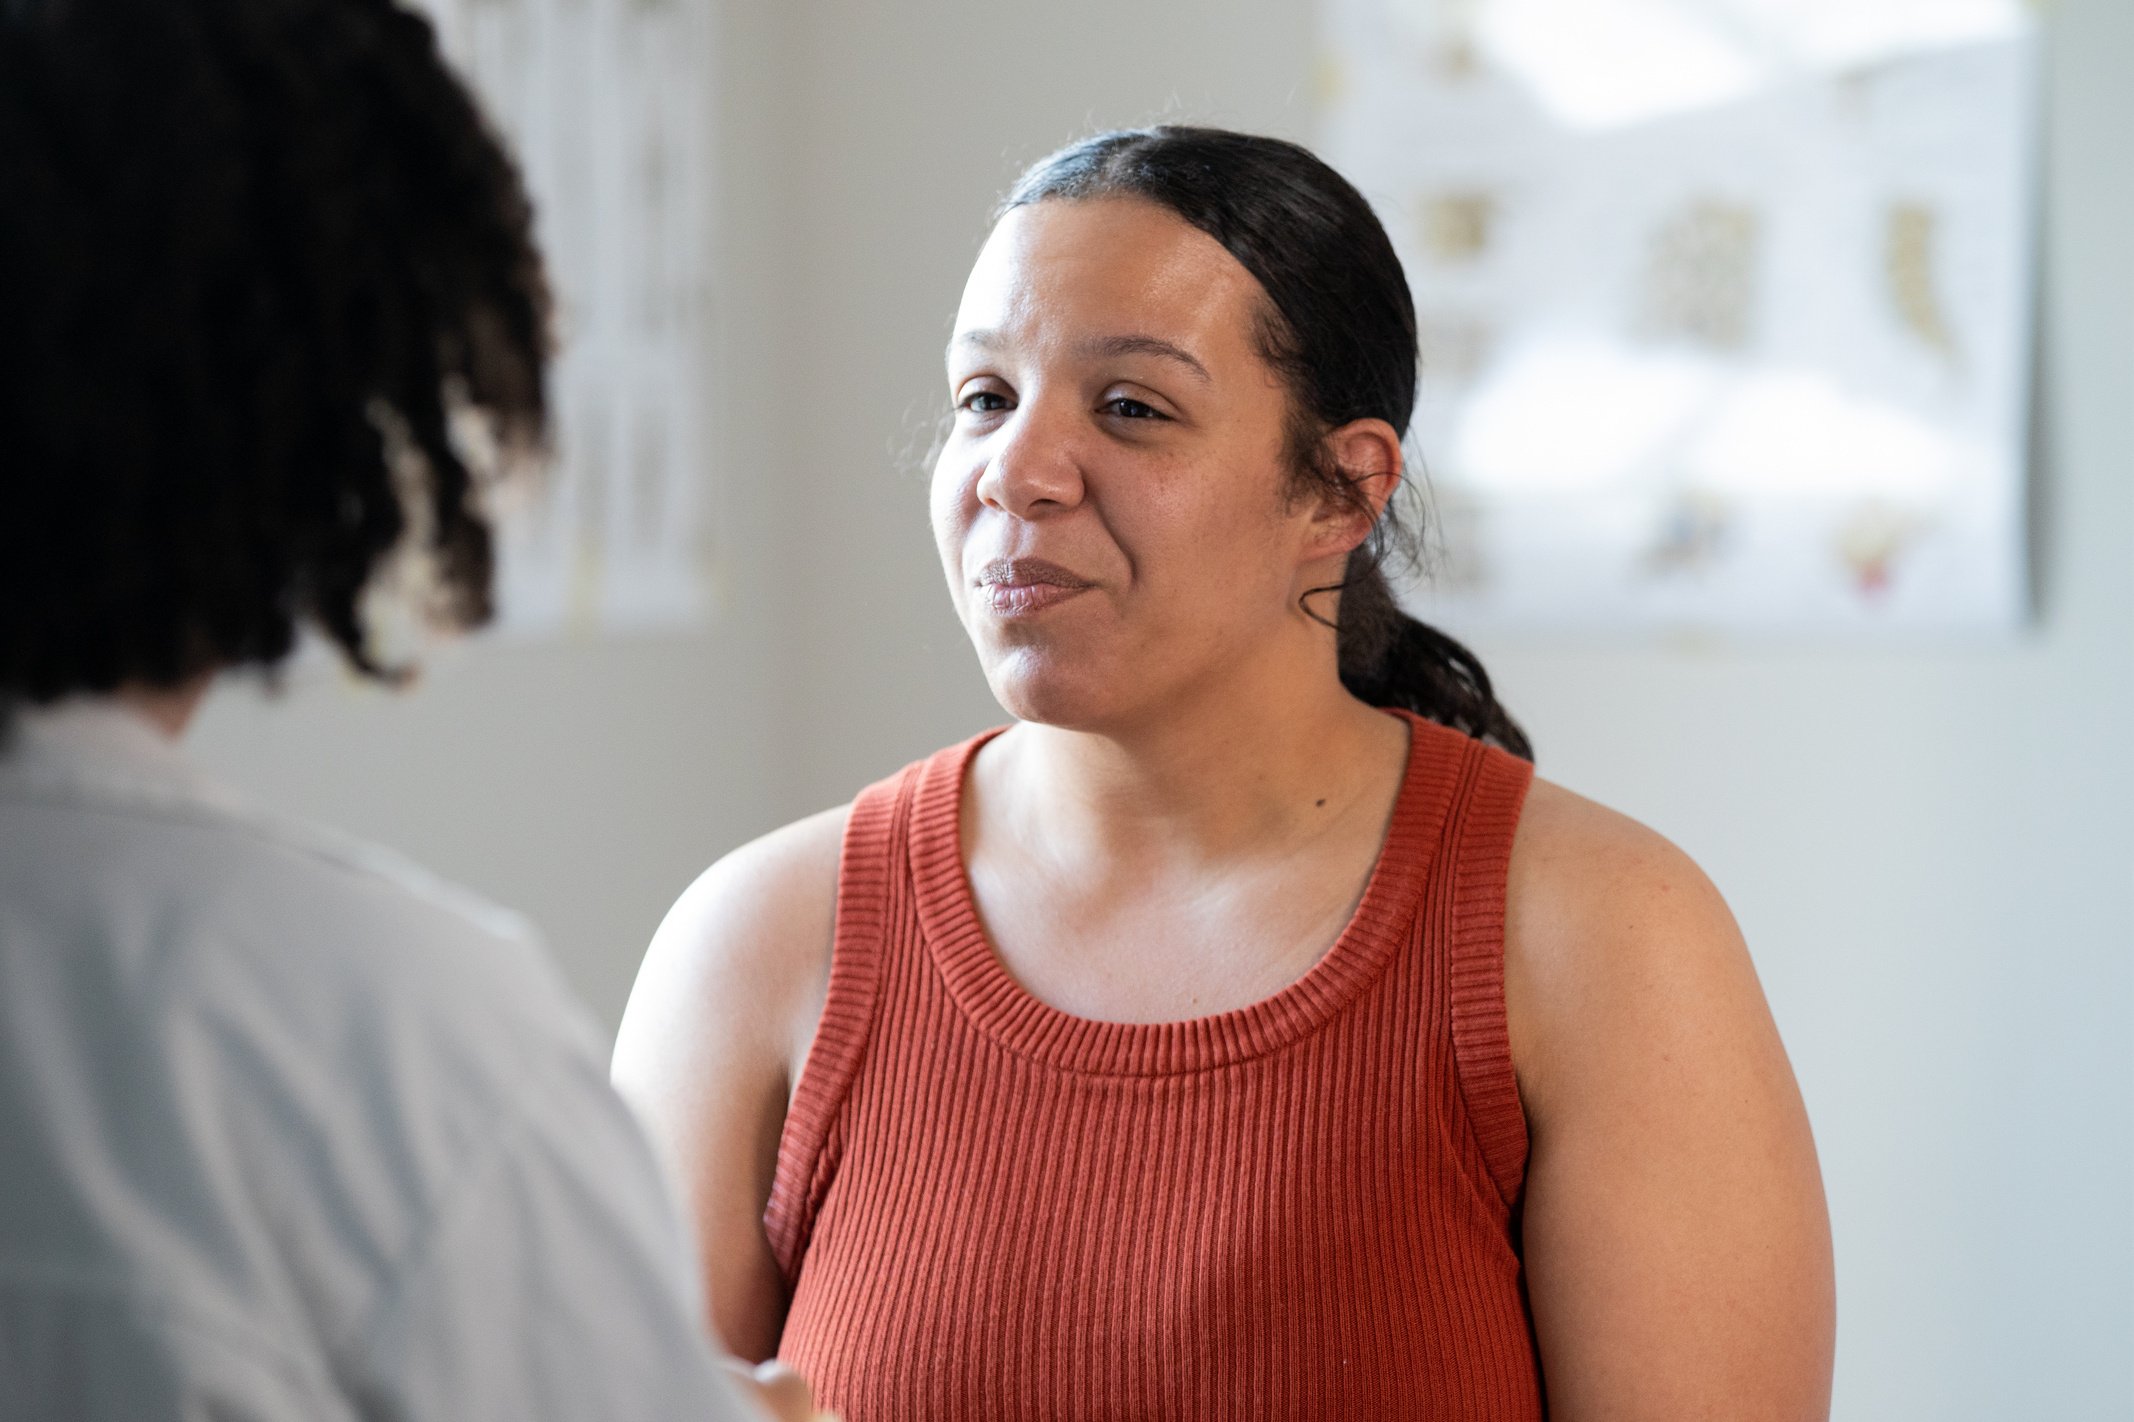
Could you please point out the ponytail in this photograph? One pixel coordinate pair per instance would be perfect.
(1390, 659)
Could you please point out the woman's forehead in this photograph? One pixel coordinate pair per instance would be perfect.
(1091, 270)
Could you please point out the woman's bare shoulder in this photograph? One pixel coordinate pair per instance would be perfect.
(775, 896)
(718, 1022)
(745, 950)
(1608, 925)
(1572, 853)
(1673, 1212)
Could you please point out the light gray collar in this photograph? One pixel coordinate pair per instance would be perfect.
(99, 742)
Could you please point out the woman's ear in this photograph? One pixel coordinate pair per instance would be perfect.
(1368, 454)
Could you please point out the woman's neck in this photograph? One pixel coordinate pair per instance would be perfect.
(1226, 775)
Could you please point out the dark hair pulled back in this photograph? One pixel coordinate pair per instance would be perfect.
(1340, 326)
(255, 257)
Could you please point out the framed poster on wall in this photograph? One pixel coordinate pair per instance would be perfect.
(1725, 305)
(607, 104)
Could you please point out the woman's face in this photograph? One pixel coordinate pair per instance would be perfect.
(1112, 506)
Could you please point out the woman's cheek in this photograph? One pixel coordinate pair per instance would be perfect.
(950, 505)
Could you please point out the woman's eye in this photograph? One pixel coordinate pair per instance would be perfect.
(984, 402)
(1128, 408)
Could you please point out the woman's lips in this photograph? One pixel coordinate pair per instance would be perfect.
(1025, 599)
(1024, 587)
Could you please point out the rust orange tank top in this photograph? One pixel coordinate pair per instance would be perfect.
(986, 1208)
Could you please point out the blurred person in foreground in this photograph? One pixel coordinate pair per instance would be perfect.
(287, 1128)
(1245, 1031)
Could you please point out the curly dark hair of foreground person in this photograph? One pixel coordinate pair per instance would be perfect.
(259, 259)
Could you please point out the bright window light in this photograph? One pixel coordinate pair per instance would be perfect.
(1797, 432)
(1599, 63)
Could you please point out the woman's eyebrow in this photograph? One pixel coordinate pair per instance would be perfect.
(980, 340)
(986, 340)
(1147, 345)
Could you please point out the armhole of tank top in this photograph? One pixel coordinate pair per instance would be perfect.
(867, 893)
(1481, 1040)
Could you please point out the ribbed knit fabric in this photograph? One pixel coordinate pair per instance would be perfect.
(986, 1208)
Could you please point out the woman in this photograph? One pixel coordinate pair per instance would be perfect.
(1241, 1033)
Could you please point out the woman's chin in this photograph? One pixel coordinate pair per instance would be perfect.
(1055, 696)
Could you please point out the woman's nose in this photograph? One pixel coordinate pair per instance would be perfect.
(1032, 464)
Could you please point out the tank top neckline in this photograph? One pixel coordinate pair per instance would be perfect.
(1005, 1011)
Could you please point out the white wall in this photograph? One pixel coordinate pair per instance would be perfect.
(1932, 851)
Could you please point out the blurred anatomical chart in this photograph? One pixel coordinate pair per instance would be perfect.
(606, 103)
(1725, 305)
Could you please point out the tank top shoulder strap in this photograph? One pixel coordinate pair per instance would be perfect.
(873, 898)
(1478, 833)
